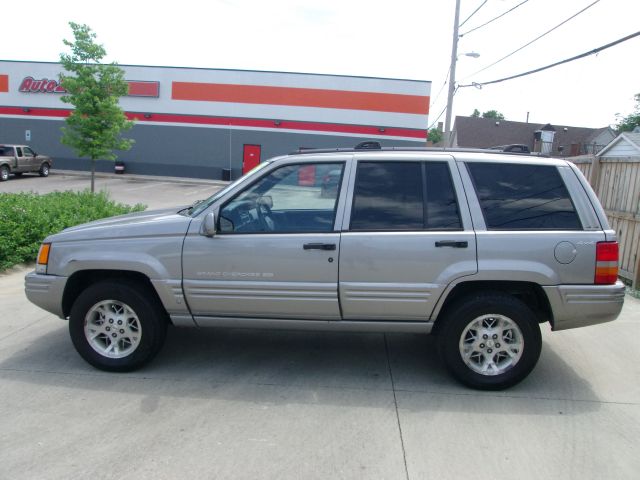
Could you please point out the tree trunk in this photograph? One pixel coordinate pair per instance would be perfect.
(93, 174)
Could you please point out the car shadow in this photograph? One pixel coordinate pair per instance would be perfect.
(254, 365)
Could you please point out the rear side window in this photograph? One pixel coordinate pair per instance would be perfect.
(404, 196)
(523, 197)
(388, 196)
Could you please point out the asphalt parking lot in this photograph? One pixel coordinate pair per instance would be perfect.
(248, 404)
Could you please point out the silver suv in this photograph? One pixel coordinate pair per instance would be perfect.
(478, 248)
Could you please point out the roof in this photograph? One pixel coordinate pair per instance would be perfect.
(475, 132)
(632, 139)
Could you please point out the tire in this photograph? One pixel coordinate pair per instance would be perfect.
(117, 326)
(44, 170)
(490, 341)
(4, 173)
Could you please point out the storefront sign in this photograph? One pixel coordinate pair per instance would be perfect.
(31, 85)
(136, 88)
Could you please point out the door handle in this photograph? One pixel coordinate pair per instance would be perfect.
(452, 243)
(319, 246)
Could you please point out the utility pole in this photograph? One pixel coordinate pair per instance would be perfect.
(452, 74)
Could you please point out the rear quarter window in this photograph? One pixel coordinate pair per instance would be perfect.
(523, 197)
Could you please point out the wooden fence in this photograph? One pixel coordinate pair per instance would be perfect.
(616, 181)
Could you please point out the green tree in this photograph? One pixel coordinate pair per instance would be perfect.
(435, 135)
(493, 114)
(628, 123)
(94, 127)
(488, 114)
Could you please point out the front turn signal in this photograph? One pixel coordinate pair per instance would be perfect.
(43, 258)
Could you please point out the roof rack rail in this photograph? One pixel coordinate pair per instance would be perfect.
(360, 148)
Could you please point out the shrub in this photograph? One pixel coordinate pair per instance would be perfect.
(27, 218)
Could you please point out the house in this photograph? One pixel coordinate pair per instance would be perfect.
(627, 144)
(556, 140)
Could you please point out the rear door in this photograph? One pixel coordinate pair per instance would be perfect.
(21, 165)
(406, 235)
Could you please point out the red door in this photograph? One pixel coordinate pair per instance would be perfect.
(250, 157)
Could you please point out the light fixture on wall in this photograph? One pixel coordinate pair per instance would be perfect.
(276, 122)
(147, 115)
(26, 109)
(381, 129)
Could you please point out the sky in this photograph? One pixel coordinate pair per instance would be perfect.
(409, 39)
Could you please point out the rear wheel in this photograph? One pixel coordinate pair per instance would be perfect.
(490, 341)
(117, 326)
(44, 170)
(4, 173)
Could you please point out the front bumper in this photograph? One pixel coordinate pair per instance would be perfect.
(45, 291)
(576, 306)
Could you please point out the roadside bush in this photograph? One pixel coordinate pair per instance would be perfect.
(27, 218)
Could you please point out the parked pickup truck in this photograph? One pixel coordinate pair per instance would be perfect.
(19, 159)
(479, 248)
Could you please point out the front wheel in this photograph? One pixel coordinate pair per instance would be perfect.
(117, 326)
(490, 341)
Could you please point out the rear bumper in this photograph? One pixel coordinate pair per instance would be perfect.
(45, 291)
(576, 306)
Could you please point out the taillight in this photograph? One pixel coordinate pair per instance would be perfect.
(43, 258)
(606, 263)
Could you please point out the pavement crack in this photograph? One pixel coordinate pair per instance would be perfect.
(395, 403)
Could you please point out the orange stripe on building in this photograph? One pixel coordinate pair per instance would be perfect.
(300, 97)
(143, 88)
(4, 83)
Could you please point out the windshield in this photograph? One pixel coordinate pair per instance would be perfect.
(199, 207)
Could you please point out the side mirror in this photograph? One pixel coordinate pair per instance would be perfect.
(208, 228)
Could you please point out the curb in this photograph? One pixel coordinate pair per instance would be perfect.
(147, 178)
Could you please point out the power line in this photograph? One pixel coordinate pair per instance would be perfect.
(436, 120)
(474, 12)
(442, 87)
(440, 114)
(582, 55)
(535, 39)
(493, 19)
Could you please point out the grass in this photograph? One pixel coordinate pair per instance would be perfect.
(27, 218)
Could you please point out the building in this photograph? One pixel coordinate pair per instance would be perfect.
(215, 123)
(556, 140)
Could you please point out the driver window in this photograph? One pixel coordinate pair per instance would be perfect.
(298, 198)
(28, 152)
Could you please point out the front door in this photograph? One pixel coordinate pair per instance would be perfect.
(250, 157)
(30, 159)
(275, 253)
